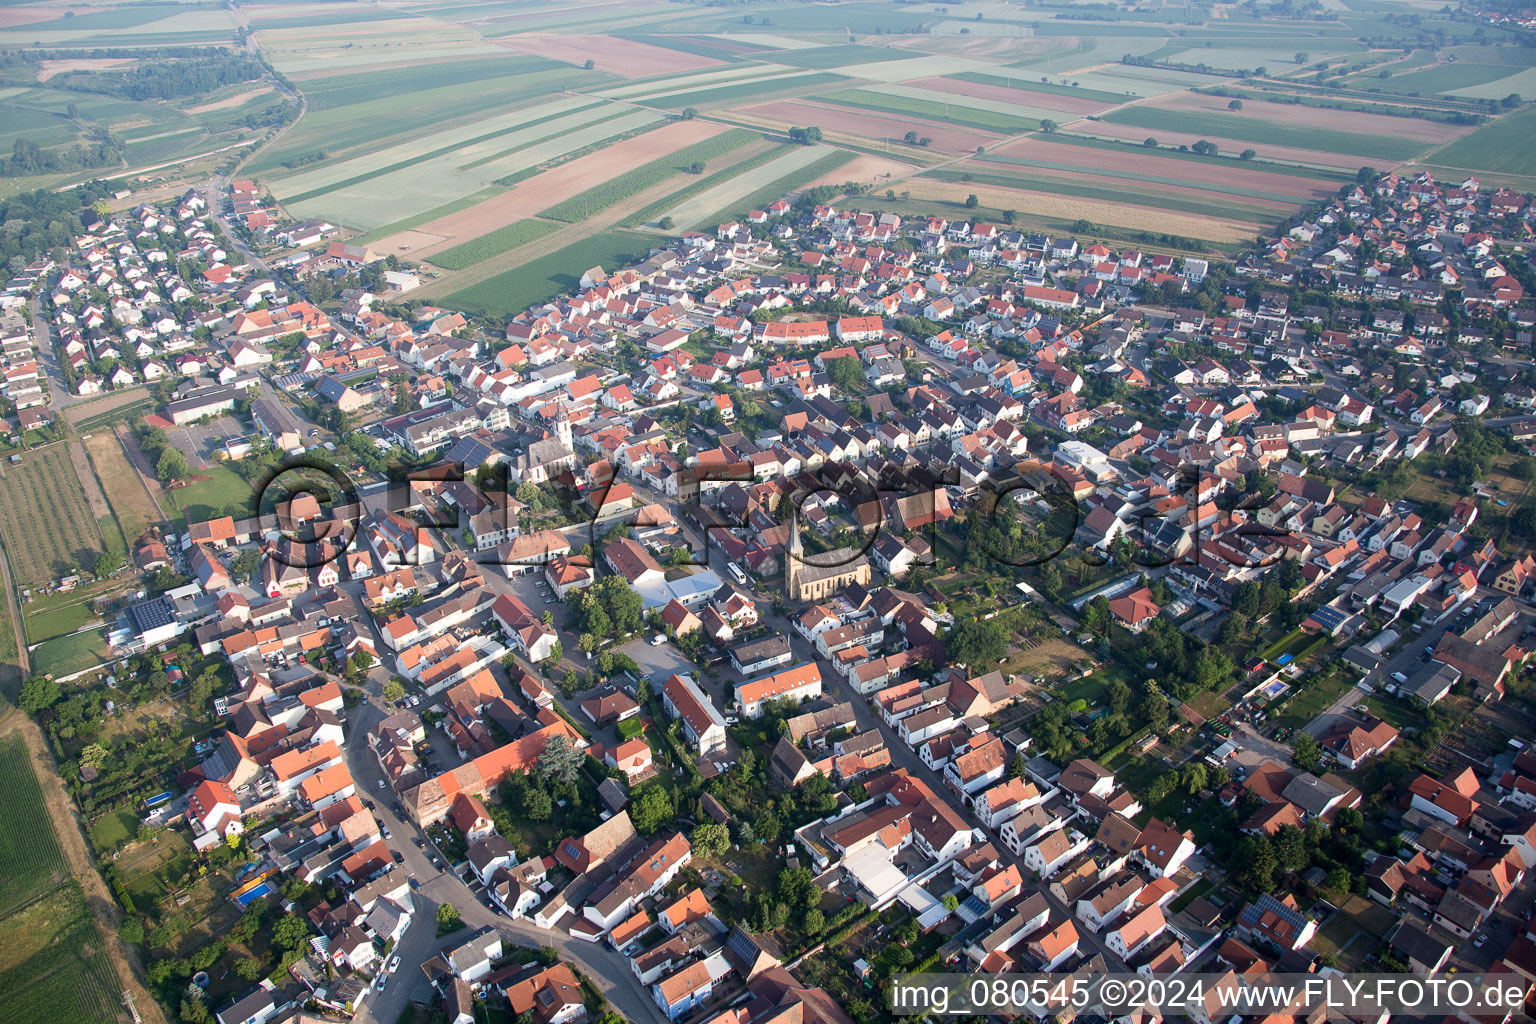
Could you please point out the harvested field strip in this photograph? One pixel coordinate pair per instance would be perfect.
(1300, 195)
(543, 278)
(432, 182)
(724, 195)
(400, 165)
(478, 250)
(580, 207)
(693, 79)
(785, 184)
(1159, 200)
(1268, 166)
(757, 157)
(953, 113)
(359, 87)
(312, 179)
(615, 112)
(955, 104)
(1063, 108)
(1134, 223)
(1320, 117)
(982, 78)
(744, 90)
(697, 46)
(1275, 133)
(828, 57)
(30, 860)
(878, 129)
(361, 129)
(427, 216)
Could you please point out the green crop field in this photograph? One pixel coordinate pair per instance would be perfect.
(1023, 84)
(1507, 145)
(934, 110)
(536, 281)
(30, 862)
(600, 197)
(49, 530)
(478, 250)
(1447, 78)
(756, 89)
(657, 209)
(1274, 133)
(783, 185)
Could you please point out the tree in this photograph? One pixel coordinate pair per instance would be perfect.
(1306, 752)
(1048, 126)
(971, 202)
(193, 1010)
(1511, 101)
(813, 921)
(561, 762)
(93, 754)
(805, 136)
(1008, 216)
(447, 918)
(845, 373)
(1247, 154)
(910, 138)
(1255, 860)
(171, 466)
(537, 804)
(1016, 766)
(689, 113)
(1153, 709)
(651, 809)
(39, 694)
(666, 223)
(290, 931)
(132, 931)
(590, 64)
(248, 968)
(1193, 777)
(1204, 148)
(1235, 105)
(709, 839)
(1290, 848)
(394, 690)
(246, 563)
(1302, 56)
(697, 167)
(951, 902)
(359, 664)
(973, 641)
(1096, 615)
(1149, 142)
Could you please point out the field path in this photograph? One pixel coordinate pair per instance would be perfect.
(12, 675)
(82, 866)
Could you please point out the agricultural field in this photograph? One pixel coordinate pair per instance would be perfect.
(52, 963)
(46, 521)
(536, 281)
(477, 137)
(131, 504)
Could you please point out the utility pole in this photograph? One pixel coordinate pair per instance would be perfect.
(133, 1011)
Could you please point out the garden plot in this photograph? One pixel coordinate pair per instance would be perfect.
(431, 183)
(723, 199)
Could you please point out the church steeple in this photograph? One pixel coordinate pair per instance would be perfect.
(792, 558)
(563, 428)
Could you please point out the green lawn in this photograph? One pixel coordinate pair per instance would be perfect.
(57, 621)
(112, 829)
(1399, 714)
(66, 655)
(1316, 695)
(210, 498)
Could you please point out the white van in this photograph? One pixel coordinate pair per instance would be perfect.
(736, 573)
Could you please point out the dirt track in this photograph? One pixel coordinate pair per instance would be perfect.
(78, 858)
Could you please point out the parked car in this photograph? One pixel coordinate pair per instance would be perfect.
(381, 783)
(394, 963)
(658, 640)
(381, 981)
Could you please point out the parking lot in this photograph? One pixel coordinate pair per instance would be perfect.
(197, 441)
(657, 663)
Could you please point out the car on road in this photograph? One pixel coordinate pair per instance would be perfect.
(1400, 677)
(415, 700)
(384, 831)
(381, 981)
(1478, 942)
(394, 963)
(419, 844)
(381, 783)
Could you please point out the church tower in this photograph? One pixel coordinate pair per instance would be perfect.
(792, 559)
(563, 429)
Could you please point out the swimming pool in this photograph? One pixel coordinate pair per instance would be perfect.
(246, 898)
